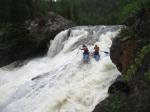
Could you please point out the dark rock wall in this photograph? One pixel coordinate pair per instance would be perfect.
(123, 55)
(30, 39)
(130, 52)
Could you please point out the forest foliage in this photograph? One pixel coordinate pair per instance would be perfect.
(81, 12)
(18, 11)
(85, 12)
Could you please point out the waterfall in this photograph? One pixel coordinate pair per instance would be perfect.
(60, 81)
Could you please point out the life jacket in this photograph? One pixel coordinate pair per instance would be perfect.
(96, 48)
(96, 52)
(86, 51)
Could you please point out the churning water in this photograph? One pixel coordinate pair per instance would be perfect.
(60, 81)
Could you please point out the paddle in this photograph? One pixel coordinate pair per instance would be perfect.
(105, 52)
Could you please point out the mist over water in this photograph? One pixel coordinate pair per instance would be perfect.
(60, 81)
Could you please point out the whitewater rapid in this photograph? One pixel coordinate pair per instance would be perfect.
(60, 81)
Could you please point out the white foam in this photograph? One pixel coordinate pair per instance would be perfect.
(61, 81)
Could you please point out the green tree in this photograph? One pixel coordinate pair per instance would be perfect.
(98, 11)
(18, 11)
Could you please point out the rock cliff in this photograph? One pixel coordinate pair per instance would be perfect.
(130, 52)
(30, 39)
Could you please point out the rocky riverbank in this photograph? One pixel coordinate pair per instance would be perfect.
(30, 39)
(130, 52)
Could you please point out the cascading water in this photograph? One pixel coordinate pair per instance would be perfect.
(61, 82)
